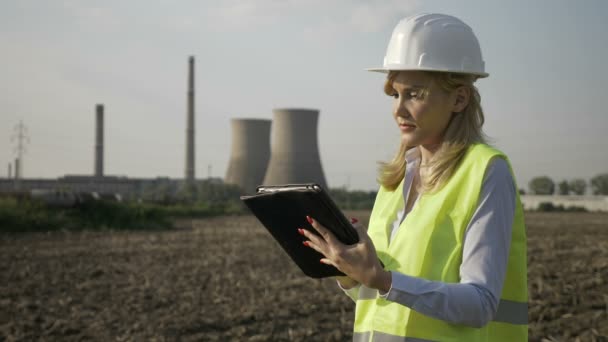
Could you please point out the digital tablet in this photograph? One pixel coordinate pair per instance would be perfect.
(282, 209)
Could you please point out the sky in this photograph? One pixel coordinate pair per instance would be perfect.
(544, 100)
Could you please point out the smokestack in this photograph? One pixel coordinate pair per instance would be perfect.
(295, 156)
(250, 153)
(99, 141)
(10, 171)
(190, 125)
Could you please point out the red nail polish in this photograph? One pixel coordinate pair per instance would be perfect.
(321, 261)
(301, 231)
(305, 243)
(353, 220)
(309, 219)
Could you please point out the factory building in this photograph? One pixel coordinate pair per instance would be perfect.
(284, 151)
(100, 183)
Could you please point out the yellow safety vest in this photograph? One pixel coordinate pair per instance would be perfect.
(428, 245)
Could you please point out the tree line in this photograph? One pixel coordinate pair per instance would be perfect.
(544, 185)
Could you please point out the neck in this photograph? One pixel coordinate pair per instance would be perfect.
(427, 152)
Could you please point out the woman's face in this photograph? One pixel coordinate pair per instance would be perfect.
(422, 120)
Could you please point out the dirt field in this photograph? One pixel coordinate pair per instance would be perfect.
(226, 279)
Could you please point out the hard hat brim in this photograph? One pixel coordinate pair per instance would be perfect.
(386, 70)
(382, 70)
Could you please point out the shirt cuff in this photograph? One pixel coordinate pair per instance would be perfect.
(352, 292)
(385, 295)
(404, 289)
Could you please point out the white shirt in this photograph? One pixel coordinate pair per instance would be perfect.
(487, 239)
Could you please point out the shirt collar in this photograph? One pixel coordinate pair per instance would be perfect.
(412, 155)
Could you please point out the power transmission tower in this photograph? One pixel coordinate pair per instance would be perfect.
(21, 137)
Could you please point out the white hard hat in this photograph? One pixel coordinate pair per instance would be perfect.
(433, 42)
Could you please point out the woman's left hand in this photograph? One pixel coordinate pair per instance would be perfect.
(359, 261)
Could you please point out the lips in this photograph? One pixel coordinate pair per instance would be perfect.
(406, 127)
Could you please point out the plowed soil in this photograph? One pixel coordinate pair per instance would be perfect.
(226, 279)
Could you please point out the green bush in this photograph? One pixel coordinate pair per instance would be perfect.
(574, 208)
(550, 207)
(25, 215)
(116, 215)
(29, 215)
(205, 209)
(353, 200)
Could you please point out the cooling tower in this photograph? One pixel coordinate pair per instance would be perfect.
(99, 141)
(295, 154)
(250, 153)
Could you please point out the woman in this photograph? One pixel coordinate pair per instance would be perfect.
(447, 223)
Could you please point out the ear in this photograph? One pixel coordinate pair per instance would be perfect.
(462, 96)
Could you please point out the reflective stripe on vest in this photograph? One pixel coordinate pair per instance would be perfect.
(508, 311)
(511, 312)
(367, 293)
(429, 245)
(382, 337)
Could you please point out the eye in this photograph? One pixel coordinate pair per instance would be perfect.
(416, 94)
(412, 94)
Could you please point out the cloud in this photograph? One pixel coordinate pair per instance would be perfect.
(98, 17)
(331, 16)
(235, 15)
(375, 16)
(344, 18)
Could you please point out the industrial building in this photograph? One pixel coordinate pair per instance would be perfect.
(282, 151)
(98, 182)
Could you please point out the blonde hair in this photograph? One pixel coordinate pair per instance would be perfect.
(464, 129)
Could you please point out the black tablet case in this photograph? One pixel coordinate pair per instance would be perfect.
(282, 209)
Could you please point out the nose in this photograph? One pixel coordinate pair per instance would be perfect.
(400, 109)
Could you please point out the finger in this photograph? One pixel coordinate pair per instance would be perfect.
(315, 247)
(312, 237)
(327, 261)
(325, 233)
(357, 225)
(361, 230)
